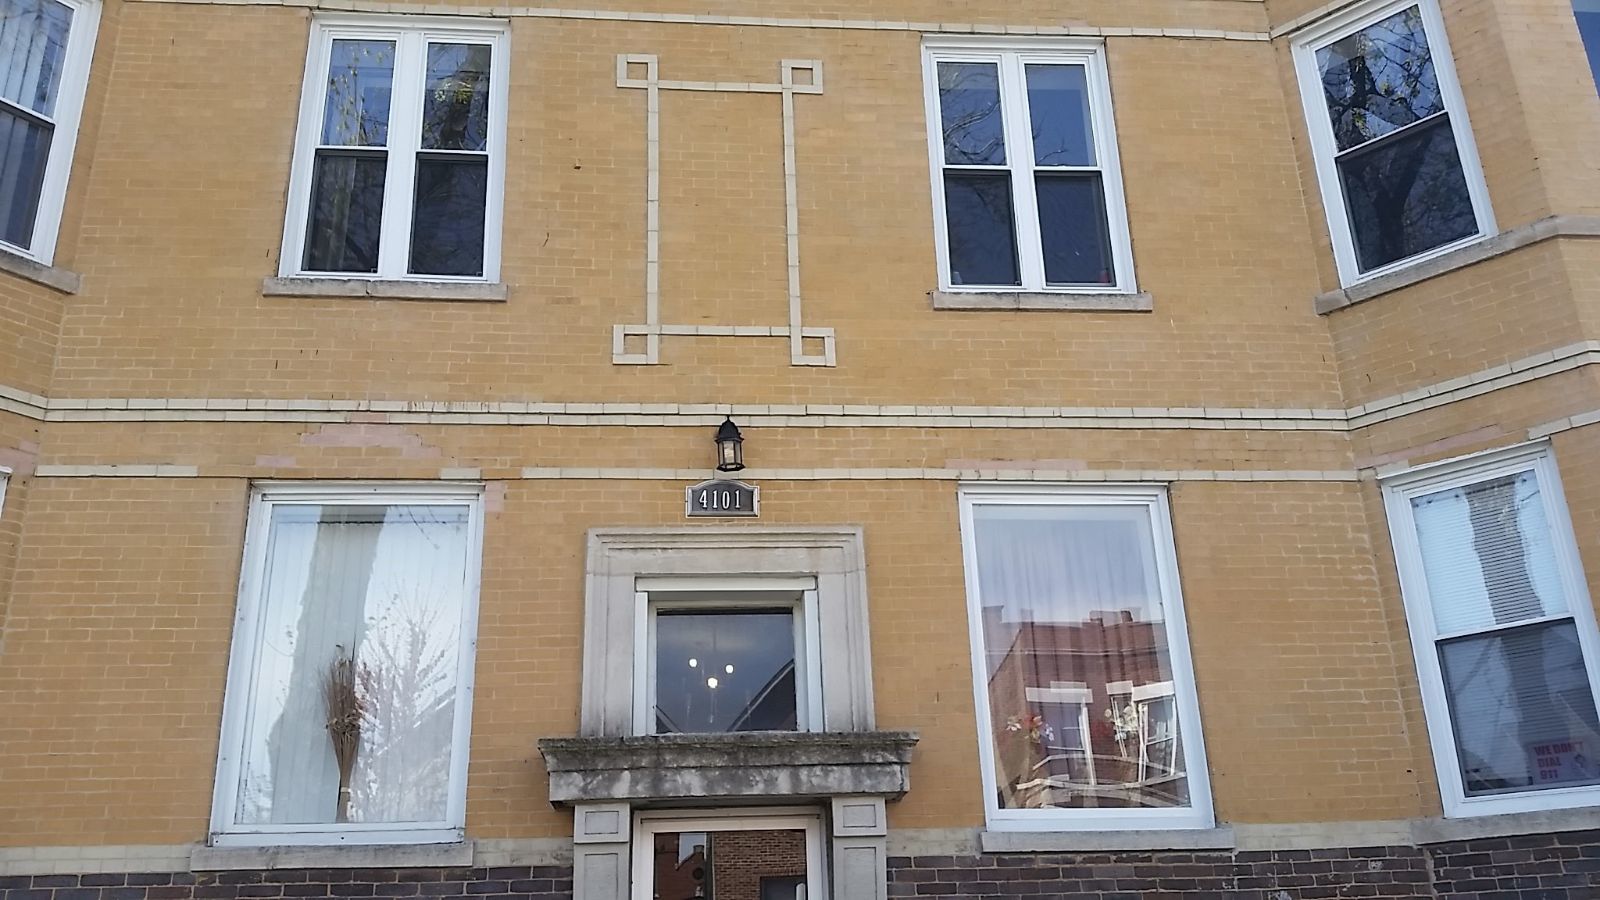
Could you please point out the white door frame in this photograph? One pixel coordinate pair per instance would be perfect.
(648, 823)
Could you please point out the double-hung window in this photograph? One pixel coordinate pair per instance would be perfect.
(1507, 652)
(45, 46)
(1027, 187)
(1085, 696)
(348, 699)
(1394, 152)
(400, 154)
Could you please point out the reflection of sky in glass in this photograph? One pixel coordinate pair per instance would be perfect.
(383, 585)
(759, 647)
(455, 100)
(969, 109)
(1379, 79)
(33, 48)
(1058, 104)
(1588, 15)
(360, 78)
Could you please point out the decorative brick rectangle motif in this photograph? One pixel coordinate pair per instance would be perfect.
(1534, 867)
(501, 883)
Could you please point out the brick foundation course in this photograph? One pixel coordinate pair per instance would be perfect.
(1534, 867)
(501, 883)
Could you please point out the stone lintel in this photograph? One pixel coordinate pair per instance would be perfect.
(765, 765)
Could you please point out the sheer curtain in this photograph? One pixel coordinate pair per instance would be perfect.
(383, 588)
(1071, 604)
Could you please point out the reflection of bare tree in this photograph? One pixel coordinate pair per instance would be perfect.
(969, 102)
(1401, 173)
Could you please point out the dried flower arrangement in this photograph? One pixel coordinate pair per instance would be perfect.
(346, 712)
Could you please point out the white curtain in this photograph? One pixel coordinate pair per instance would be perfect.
(383, 587)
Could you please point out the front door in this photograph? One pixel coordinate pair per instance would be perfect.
(715, 855)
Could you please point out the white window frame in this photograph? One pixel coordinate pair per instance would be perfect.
(1011, 55)
(237, 701)
(64, 139)
(1398, 492)
(1153, 500)
(656, 594)
(1324, 147)
(648, 824)
(411, 35)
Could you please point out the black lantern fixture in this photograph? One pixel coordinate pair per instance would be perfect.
(730, 455)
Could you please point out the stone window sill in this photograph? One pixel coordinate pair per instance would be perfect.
(54, 277)
(369, 856)
(1220, 838)
(375, 289)
(1499, 245)
(1041, 300)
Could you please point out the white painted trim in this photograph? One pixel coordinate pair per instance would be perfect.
(70, 92)
(411, 35)
(5, 484)
(648, 824)
(1153, 499)
(1010, 56)
(1324, 149)
(1398, 492)
(237, 699)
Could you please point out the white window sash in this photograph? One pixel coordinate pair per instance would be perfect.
(1011, 58)
(64, 131)
(1399, 491)
(238, 699)
(411, 36)
(1324, 147)
(807, 649)
(1153, 500)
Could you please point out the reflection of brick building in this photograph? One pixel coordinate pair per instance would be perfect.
(1108, 649)
(742, 864)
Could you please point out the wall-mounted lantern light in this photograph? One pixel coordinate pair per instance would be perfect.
(730, 455)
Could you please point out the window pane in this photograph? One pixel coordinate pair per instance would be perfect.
(1379, 79)
(1079, 672)
(729, 865)
(360, 77)
(1072, 223)
(1058, 104)
(346, 213)
(33, 49)
(361, 625)
(455, 102)
(447, 226)
(1487, 554)
(1407, 196)
(983, 239)
(1588, 14)
(725, 670)
(24, 151)
(969, 110)
(1523, 711)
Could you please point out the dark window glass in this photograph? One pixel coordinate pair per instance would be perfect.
(1072, 224)
(346, 212)
(1379, 79)
(1522, 710)
(1588, 14)
(725, 670)
(360, 80)
(1406, 195)
(983, 240)
(24, 152)
(728, 865)
(969, 111)
(1058, 109)
(447, 225)
(455, 101)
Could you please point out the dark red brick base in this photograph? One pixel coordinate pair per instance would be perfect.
(1534, 867)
